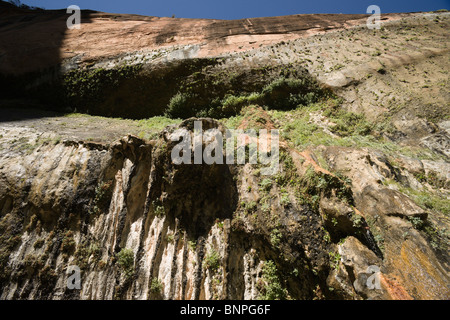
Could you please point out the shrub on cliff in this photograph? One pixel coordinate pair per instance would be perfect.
(125, 259)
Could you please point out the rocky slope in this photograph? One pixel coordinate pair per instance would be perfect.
(364, 163)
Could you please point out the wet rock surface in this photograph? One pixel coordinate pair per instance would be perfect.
(197, 231)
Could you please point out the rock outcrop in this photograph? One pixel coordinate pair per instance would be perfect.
(206, 231)
(357, 210)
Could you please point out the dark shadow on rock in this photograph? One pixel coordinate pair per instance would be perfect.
(30, 52)
(194, 194)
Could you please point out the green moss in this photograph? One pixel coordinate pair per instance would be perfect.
(191, 87)
(296, 127)
(223, 94)
(433, 179)
(233, 104)
(376, 231)
(88, 87)
(348, 123)
(350, 129)
(288, 175)
(282, 93)
(438, 237)
(232, 122)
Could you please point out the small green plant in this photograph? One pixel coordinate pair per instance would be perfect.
(275, 237)
(285, 200)
(349, 123)
(170, 238)
(125, 259)
(249, 207)
(265, 185)
(265, 207)
(381, 70)
(335, 258)
(326, 235)
(416, 222)
(337, 67)
(379, 239)
(357, 220)
(85, 251)
(68, 243)
(158, 208)
(212, 260)
(151, 127)
(192, 244)
(103, 193)
(178, 106)
(273, 290)
(439, 238)
(334, 221)
(376, 53)
(156, 286)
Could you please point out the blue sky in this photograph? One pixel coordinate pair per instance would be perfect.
(237, 9)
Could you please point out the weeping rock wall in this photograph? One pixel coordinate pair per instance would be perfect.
(206, 231)
(82, 203)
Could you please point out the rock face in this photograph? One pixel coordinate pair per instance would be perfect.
(204, 231)
(389, 214)
(150, 62)
(83, 204)
(357, 210)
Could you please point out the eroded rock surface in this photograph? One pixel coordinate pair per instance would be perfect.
(206, 231)
(357, 210)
